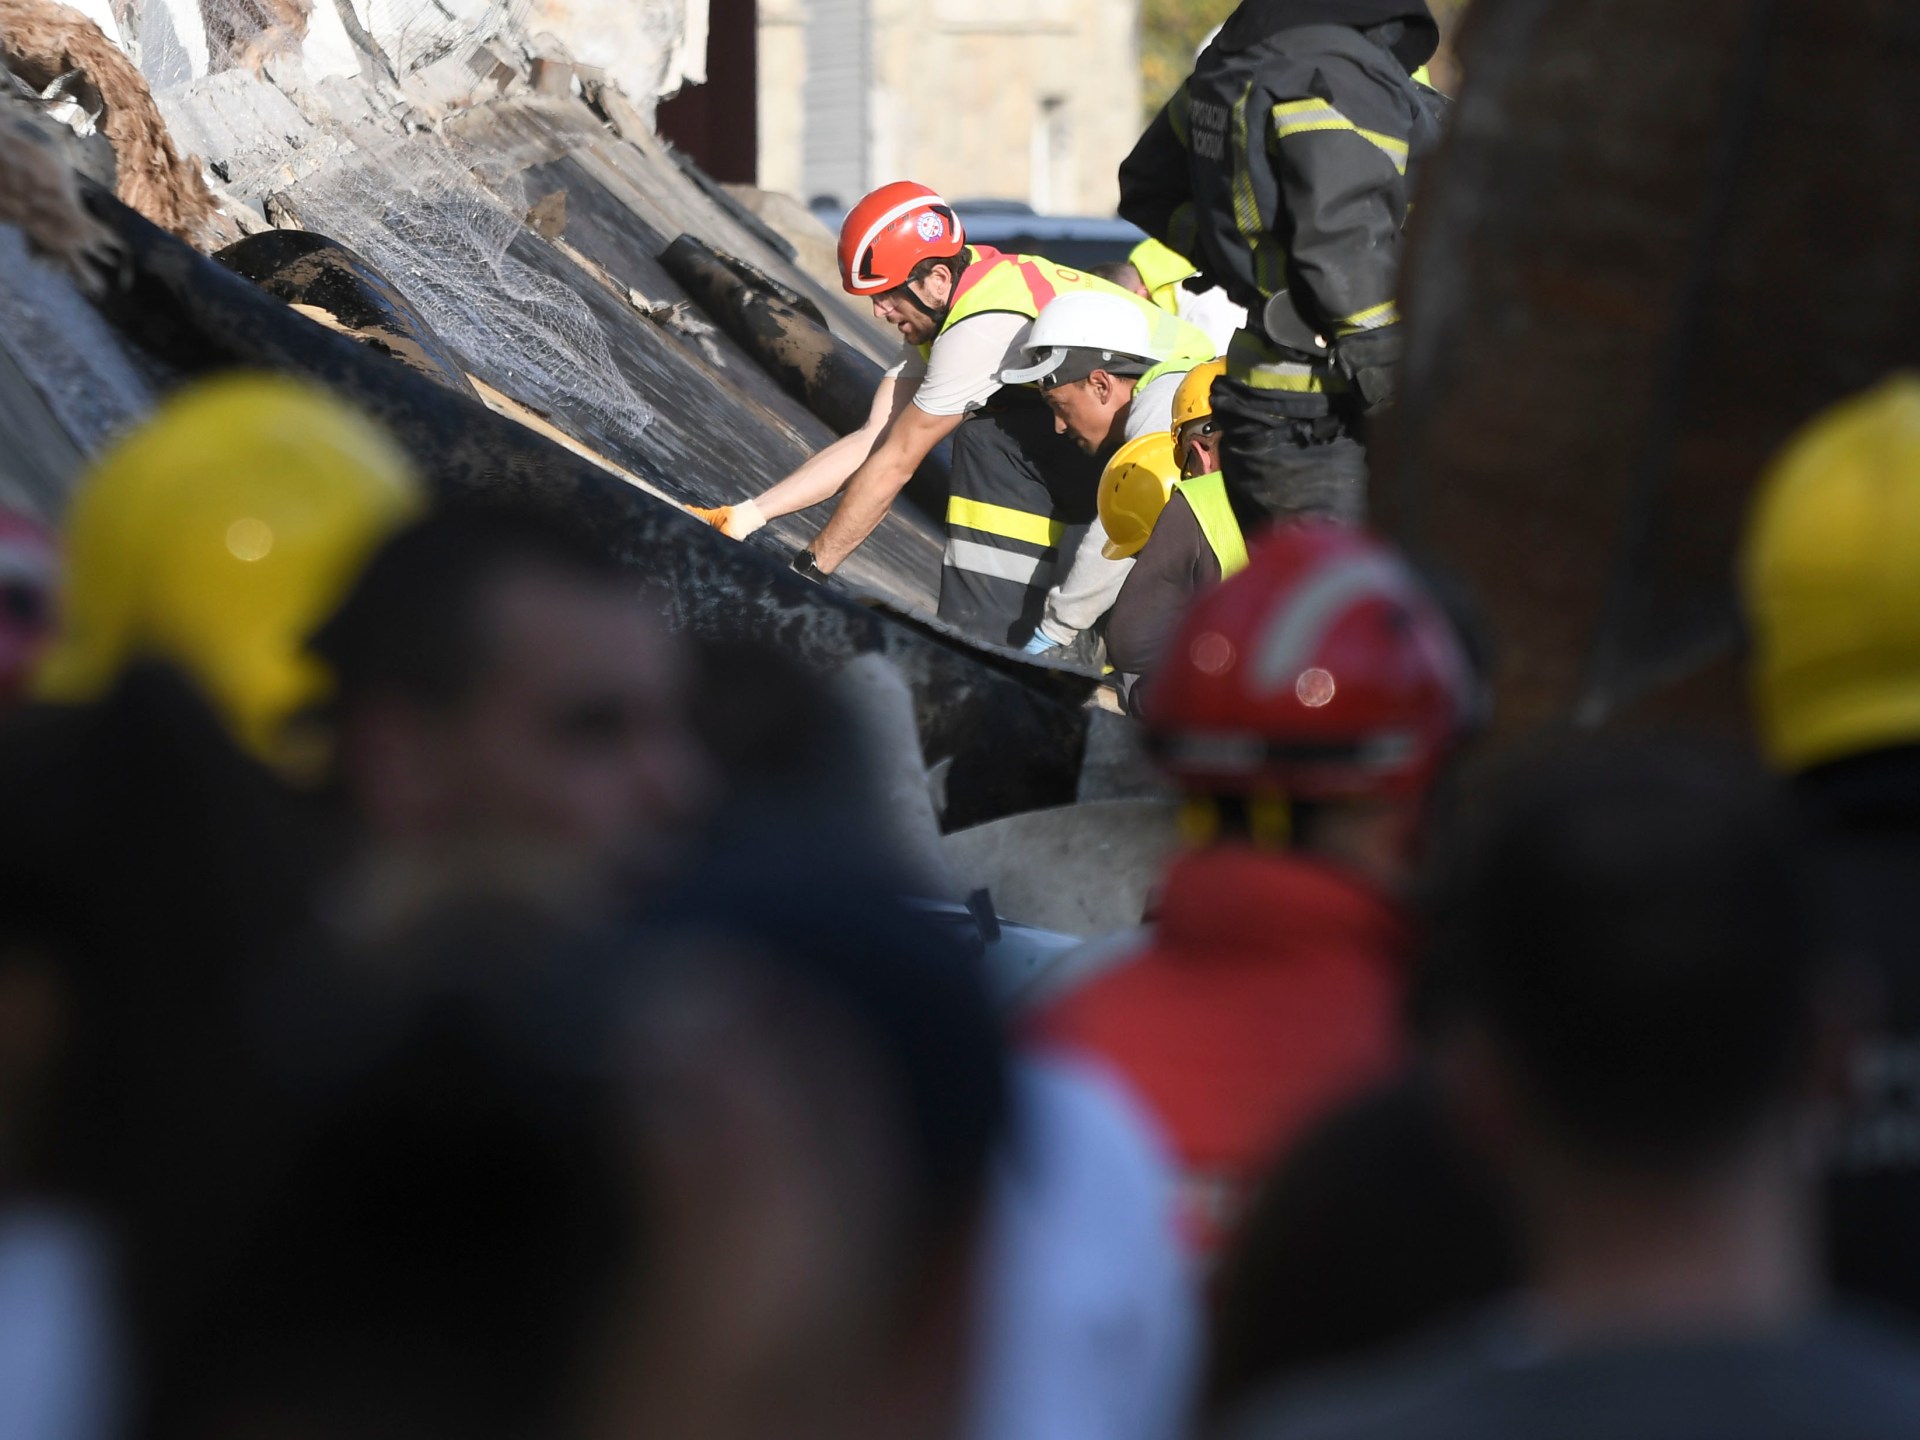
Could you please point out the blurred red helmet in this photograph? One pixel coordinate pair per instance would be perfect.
(891, 231)
(29, 571)
(1323, 671)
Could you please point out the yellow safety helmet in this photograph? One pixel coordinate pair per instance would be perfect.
(217, 536)
(1161, 271)
(1830, 573)
(1133, 491)
(1194, 399)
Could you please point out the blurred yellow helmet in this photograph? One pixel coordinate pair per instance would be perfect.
(1133, 491)
(217, 536)
(1830, 574)
(1194, 399)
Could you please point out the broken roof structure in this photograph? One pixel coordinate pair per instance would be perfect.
(442, 214)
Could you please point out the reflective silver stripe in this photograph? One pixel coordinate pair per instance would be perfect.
(1293, 633)
(985, 560)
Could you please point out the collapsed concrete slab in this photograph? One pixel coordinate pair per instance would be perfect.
(502, 239)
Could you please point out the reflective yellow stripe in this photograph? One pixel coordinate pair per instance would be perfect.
(1004, 521)
(1376, 318)
(1395, 150)
(1253, 361)
(1294, 117)
(1301, 379)
(1303, 117)
(1246, 209)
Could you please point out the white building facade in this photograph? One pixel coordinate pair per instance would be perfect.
(1032, 100)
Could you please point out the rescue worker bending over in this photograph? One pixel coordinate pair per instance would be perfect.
(1109, 369)
(1186, 547)
(1305, 710)
(965, 313)
(1155, 272)
(1281, 167)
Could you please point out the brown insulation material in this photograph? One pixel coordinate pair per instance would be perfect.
(247, 32)
(39, 196)
(41, 42)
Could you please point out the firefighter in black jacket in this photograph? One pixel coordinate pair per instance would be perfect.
(1281, 169)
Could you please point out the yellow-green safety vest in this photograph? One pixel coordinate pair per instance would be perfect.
(1161, 270)
(1026, 284)
(1207, 498)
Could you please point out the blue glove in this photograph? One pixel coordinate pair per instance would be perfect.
(1040, 644)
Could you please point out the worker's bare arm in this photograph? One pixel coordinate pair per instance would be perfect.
(828, 469)
(869, 493)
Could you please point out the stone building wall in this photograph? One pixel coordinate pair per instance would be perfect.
(1033, 100)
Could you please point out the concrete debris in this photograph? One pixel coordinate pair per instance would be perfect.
(434, 215)
(1084, 869)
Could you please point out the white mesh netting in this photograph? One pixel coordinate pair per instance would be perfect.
(416, 213)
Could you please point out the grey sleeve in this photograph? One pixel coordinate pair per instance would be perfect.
(1088, 589)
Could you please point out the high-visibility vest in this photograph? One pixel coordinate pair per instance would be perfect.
(1207, 498)
(1026, 284)
(1161, 270)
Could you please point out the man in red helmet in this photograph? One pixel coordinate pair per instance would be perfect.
(1305, 707)
(1021, 492)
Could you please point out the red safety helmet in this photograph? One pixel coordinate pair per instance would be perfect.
(29, 570)
(891, 231)
(1323, 671)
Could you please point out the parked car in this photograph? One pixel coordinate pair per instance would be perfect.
(1015, 227)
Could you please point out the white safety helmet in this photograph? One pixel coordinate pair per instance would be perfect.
(1114, 331)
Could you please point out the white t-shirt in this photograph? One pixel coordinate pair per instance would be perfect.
(1214, 313)
(964, 370)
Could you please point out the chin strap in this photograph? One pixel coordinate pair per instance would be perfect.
(939, 317)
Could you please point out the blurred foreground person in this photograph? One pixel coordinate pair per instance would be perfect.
(1305, 709)
(1636, 1033)
(215, 538)
(29, 571)
(452, 1245)
(156, 873)
(721, 1179)
(828, 1091)
(1090, 1322)
(1831, 581)
(1381, 1223)
(509, 711)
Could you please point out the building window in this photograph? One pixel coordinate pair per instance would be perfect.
(1051, 186)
